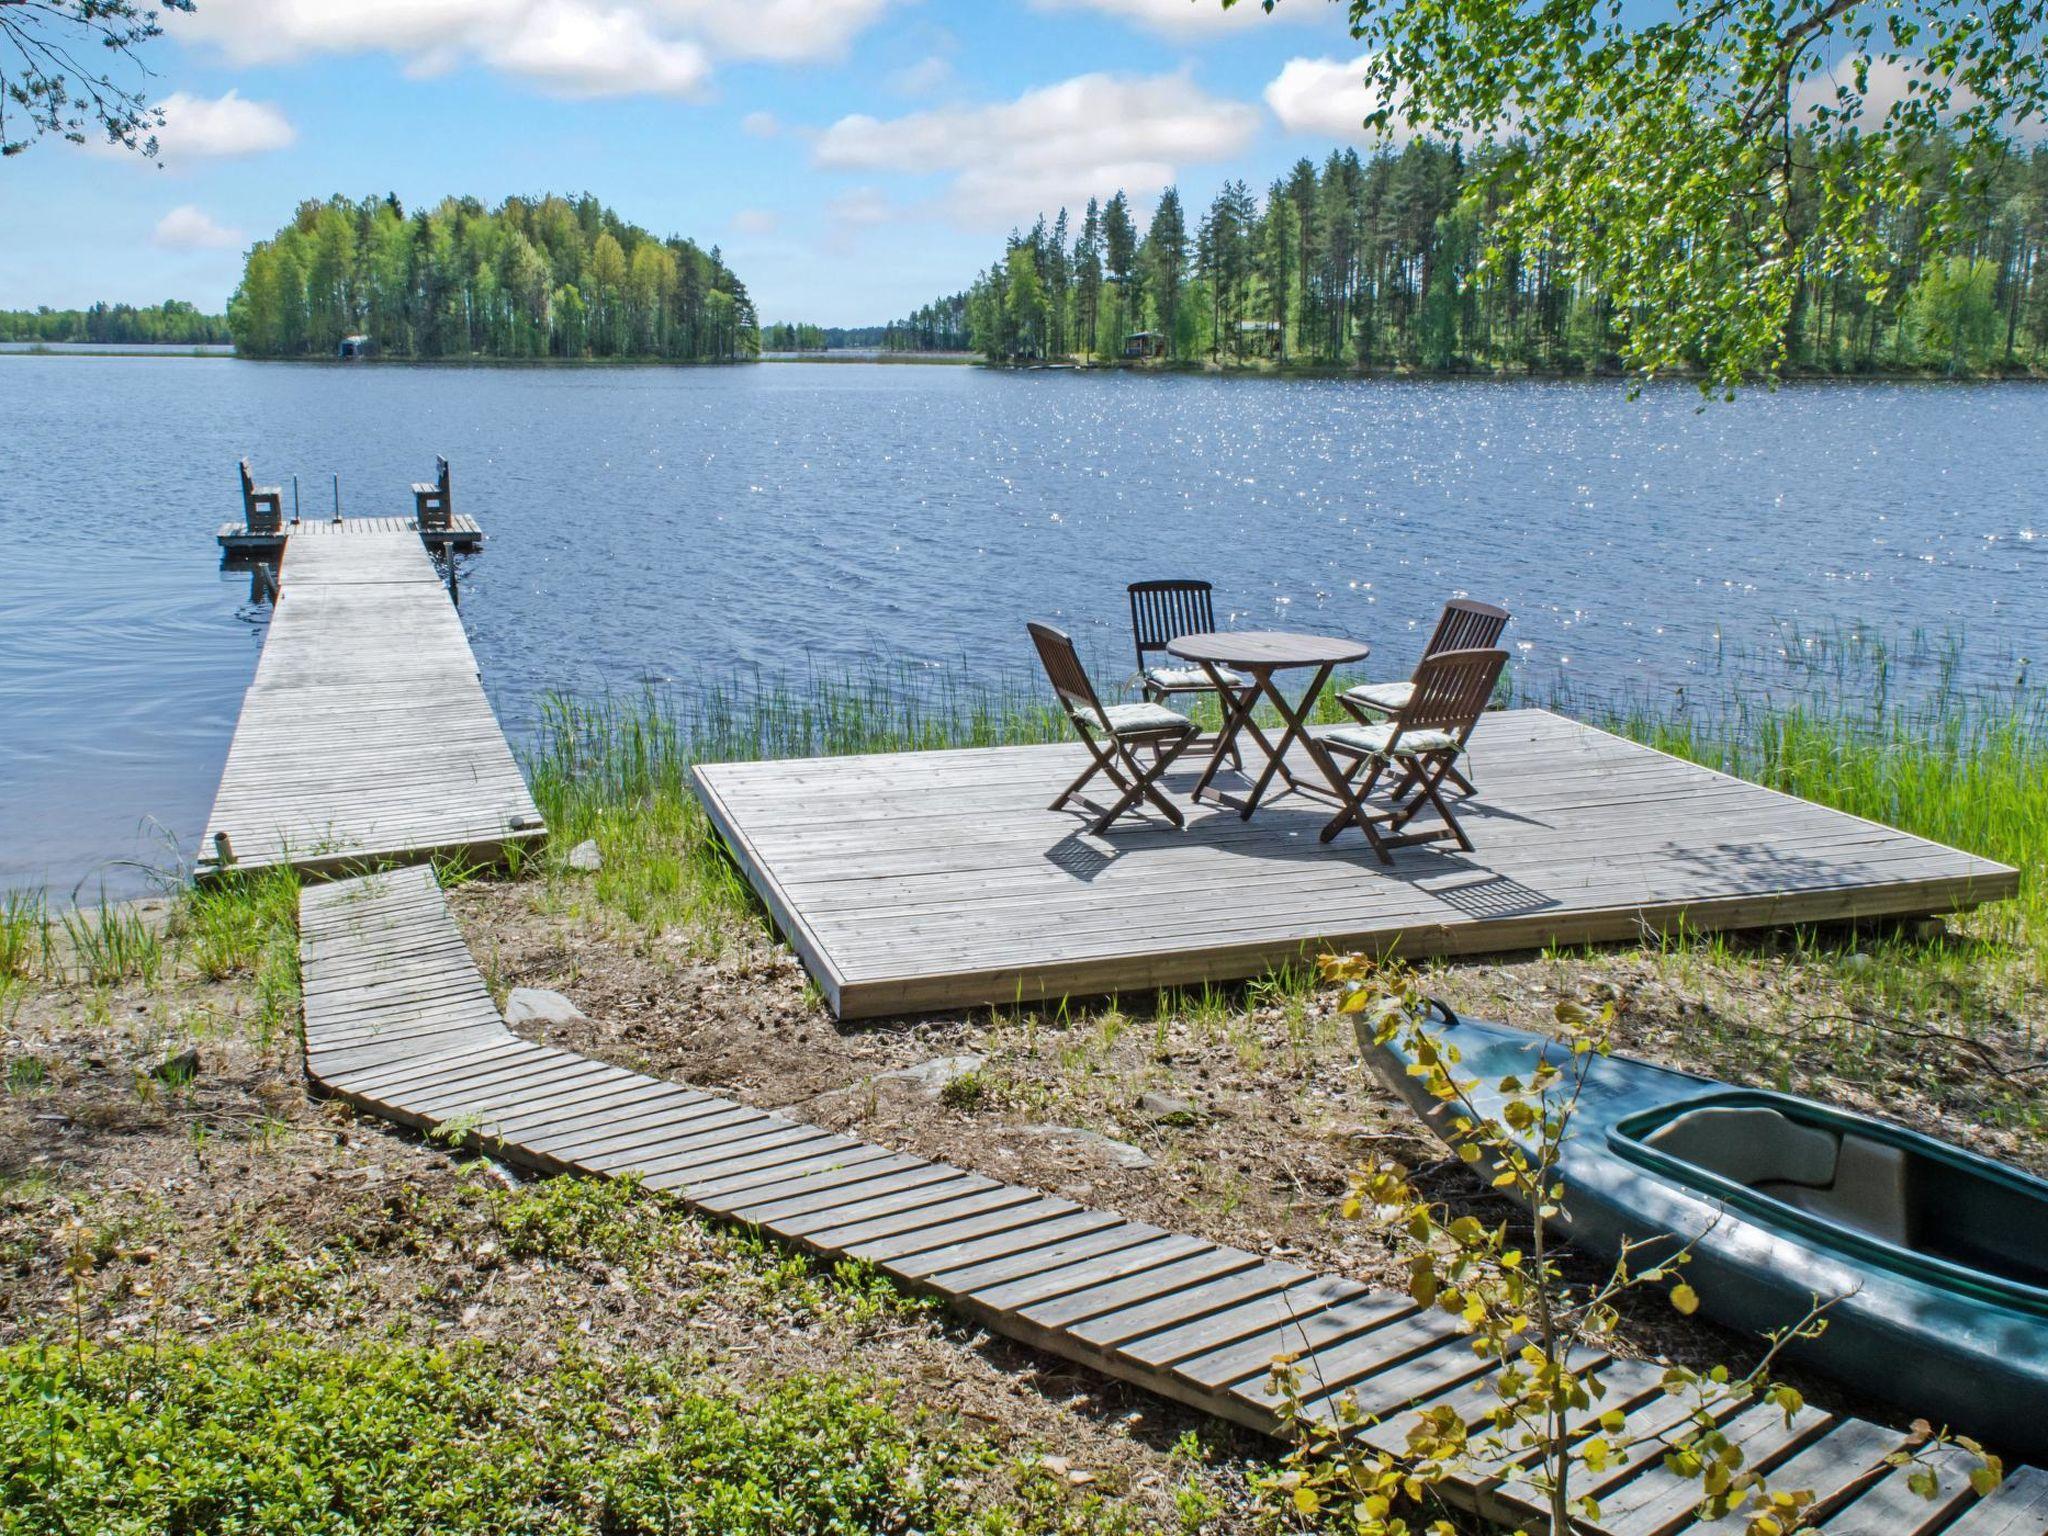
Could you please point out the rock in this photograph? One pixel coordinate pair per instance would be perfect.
(1122, 1153)
(584, 856)
(931, 1077)
(1167, 1110)
(1857, 963)
(537, 1005)
(179, 1069)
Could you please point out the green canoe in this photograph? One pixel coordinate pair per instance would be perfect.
(1938, 1257)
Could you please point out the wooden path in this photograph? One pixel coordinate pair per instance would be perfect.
(930, 880)
(235, 538)
(365, 733)
(398, 1022)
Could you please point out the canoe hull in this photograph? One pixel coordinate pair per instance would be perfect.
(1978, 1363)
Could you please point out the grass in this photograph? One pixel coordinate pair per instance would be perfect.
(261, 1432)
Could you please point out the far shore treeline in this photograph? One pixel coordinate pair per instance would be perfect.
(548, 277)
(171, 323)
(1375, 263)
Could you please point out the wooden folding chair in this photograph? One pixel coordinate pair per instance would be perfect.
(1109, 733)
(1463, 626)
(1450, 692)
(1162, 612)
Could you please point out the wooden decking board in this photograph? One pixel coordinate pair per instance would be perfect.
(899, 1247)
(832, 1184)
(1251, 1319)
(365, 733)
(1199, 1303)
(939, 880)
(1191, 1320)
(2017, 1507)
(931, 1266)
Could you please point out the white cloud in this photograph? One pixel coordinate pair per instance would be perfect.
(927, 75)
(574, 47)
(760, 125)
(784, 31)
(1329, 99)
(584, 50)
(756, 221)
(1180, 18)
(211, 128)
(190, 228)
(1084, 137)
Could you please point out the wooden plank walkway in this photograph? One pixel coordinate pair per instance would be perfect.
(365, 733)
(236, 539)
(399, 1022)
(934, 880)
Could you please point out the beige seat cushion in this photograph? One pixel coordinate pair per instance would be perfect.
(1192, 677)
(1142, 720)
(1373, 740)
(1388, 697)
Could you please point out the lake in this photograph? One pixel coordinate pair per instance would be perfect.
(653, 524)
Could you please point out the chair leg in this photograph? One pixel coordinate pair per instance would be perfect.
(1143, 783)
(1355, 812)
(1099, 763)
(1431, 787)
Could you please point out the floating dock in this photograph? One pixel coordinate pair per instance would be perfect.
(931, 880)
(399, 1022)
(365, 734)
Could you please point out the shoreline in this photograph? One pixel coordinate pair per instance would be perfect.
(1317, 372)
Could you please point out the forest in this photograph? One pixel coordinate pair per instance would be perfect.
(1375, 263)
(547, 277)
(171, 323)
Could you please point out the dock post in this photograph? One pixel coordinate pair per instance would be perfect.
(295, 500)
(337, 497)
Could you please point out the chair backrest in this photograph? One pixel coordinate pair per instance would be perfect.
(1068, 677)
(441, 472)
(1467, 626)
(1163, 611)
(248, 484)
(1452, 690)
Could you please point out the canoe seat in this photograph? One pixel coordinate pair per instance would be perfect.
(1868, 1194)
(1749, 1144)
(1850, 1180)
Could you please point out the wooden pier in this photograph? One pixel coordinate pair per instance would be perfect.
(365, 734)
(399, 1022)
(929, 880)
(237, 543)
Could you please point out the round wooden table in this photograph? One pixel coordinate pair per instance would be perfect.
(1258, 654)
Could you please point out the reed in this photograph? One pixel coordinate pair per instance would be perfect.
(24, 933)
(113, 943)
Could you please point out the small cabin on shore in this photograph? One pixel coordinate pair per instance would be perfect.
(1140, 345)
(354, 346)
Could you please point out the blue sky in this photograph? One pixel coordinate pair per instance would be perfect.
(852, 157)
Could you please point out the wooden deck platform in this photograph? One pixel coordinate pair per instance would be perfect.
(934, 880)
(236, 541)
(399, 1022)
(365, 733)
